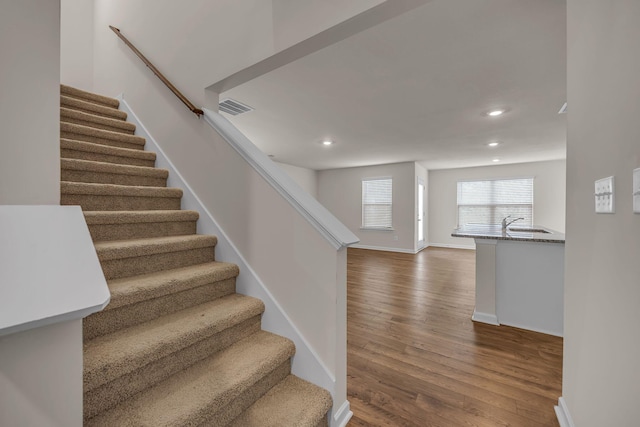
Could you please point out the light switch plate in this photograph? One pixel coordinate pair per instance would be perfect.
(636, 190)
(604, 196)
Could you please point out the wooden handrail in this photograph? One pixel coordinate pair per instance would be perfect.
(176, 92)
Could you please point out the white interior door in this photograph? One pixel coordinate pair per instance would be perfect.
(420, 212)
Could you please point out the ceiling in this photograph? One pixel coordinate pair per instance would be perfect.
(417, 88)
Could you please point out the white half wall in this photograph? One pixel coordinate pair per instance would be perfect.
(601, 378)
(41, 376)
(340, 191)
(305, 178)
(30, 107)
(76, 43)
(548, 187)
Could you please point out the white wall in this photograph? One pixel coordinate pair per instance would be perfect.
(340, 191)
(305, 178)
(190, 43)
(601, 376)
(548, 187)
(41, 376)
(76, 43)
(40, 369)
(30, 107)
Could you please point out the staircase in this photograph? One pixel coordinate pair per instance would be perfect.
(176, 346)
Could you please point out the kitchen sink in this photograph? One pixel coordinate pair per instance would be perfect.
(528, 230)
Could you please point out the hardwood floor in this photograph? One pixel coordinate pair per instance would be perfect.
(415, 358)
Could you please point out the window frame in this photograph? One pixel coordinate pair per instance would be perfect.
(532, 178)
(362, 204)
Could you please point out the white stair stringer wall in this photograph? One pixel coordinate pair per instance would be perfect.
(327, 372)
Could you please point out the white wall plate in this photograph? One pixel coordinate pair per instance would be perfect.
(604, 195)
(636, 190)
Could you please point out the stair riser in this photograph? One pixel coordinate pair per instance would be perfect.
(120, 203)
(108, 395)
(107, 321)
(125, 130)
(220, 417)
(111, 178)
(143, 230)
(127, 267)
(102, 141)
(99, 157)
(98, 110)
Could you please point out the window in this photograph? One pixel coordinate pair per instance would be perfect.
(487, 202)
(376, 203)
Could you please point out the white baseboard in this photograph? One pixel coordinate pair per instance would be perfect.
(491, 319)
(446, 245)
(563, 415)
(385, 249)
(342, 415)
(306, 363)
(530, 328)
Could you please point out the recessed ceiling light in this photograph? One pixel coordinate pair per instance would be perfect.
(495, 113)
(327, 142)
(496, 160)
(493, 144)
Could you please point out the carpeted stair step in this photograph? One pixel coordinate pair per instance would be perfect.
(111, 197)
(138, 299)
(76, 170)
(86, 119)
(99, 136)
(292, 399)
(125, 258)
(70, 149)
(89, 96)
(213, 391)
(91, 108)
(118, 365)
(121, 225)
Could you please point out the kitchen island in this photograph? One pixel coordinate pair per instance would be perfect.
(519, 276)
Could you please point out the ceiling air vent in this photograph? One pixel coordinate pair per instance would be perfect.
(233, 107)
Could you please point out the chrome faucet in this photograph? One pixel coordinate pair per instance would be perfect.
(506, 223)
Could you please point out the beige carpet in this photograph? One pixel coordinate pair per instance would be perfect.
(176, 346)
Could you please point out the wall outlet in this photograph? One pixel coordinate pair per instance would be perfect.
(636, 190)
(395, 237)
(605, 192)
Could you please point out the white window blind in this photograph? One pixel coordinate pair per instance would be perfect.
(377, 203)
(487, 202)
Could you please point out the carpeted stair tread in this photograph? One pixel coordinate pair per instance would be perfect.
(100, 136)
(141, 298)
(196, 395)
(120, 225)
(82, 150)
(131, 290)
(92, 108)
(292, 399)
(89, 96)
(69, 115)
(117, 190)
(104, 167)
(116, 249)
(89, 171)
(110, 356)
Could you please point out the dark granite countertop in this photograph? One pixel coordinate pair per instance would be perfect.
(533, 233)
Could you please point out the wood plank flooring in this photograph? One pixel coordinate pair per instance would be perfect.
(415, 358)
